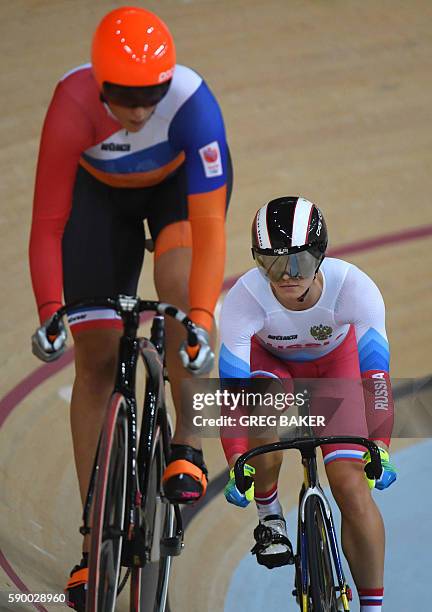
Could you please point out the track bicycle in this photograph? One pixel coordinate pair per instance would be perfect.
(320, 584)
(129, 520)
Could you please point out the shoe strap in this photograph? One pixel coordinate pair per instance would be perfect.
(182, 466)
(273, 517)
(77, 578)
(265, 537)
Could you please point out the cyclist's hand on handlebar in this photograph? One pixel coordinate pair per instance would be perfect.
(202, 362)
(388, 475)
(49, 348)
(233, 495)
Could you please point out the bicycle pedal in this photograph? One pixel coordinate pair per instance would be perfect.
(134, 555)
(273, 561)
(171, 547)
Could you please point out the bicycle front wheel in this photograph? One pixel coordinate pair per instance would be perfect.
(108, 509)
(321, 579)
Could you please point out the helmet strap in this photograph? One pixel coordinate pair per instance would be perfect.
(303, 295)
(316, 271)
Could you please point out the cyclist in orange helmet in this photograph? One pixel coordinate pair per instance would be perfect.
(129, 137)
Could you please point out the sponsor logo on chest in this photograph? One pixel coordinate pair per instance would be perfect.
(320, 333)
(292, 337)
(115, 146)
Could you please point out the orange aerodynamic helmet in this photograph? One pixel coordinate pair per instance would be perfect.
(132, 47)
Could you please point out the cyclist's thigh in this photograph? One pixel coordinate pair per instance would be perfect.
(264, 364)
(103, 248)
(171, 233)
(171, 277)
(339, 398)
(275, 379)
(96, 352)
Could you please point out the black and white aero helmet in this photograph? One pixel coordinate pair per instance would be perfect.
(289, 236)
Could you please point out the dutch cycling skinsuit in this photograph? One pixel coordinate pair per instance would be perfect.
(96, 182)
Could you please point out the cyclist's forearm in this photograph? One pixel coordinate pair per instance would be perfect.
(208, 254)
(46, 267)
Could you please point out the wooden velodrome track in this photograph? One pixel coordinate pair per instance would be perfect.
(330, 100)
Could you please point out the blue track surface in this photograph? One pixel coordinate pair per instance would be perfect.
(407, 512)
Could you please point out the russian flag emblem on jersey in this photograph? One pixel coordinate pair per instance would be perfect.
(211, 159)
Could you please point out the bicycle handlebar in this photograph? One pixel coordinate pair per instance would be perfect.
(124, 305)
(306, 447)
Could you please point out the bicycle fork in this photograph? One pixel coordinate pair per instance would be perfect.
(344, 590)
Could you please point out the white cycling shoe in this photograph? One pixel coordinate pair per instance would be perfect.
(272, 548)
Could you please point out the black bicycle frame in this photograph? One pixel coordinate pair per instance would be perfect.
(154, 415)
